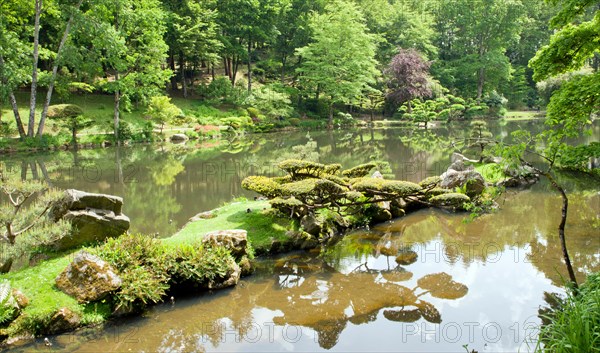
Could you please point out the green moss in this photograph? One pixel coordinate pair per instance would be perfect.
(336, 179)
(262, 225)
(399, 188)
(279, 202)
(450, 200)
(333, 169)
(431, 181)
(359, 171)
(437, 191)
(353, 195)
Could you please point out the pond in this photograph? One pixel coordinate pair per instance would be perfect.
(428, 282)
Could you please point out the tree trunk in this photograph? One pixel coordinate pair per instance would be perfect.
(249, 66)
(116, 112)
(183, 80)
(34, 72)
(174, 77)
(480, 82)
(330, 122)
(212, 71)
(563, 222)
(561, 227)
(119, 167)
(18, 121)
(24, 167)
(226, 66)
(63, 40)
(283, 63)
(234, 70)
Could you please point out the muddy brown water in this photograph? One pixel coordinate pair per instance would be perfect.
(429, 282)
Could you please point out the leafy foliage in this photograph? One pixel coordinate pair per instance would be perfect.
(22, 216)
(161, 111)
(574, 326)
(270, 102)
(408, 77)
(148, 268)
(340, 62)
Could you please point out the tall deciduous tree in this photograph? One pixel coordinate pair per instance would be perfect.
(191, 35)
(293, 29)
(473, 37)
(408, 78)
(14, 53)
(340, 62)
(15, 41)
(128, 49)
(245, 24)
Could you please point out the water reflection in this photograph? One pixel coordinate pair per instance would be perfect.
(427, 282)
(163, 186)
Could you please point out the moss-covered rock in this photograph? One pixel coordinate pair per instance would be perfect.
(63, 320)
(88, 278)
(454, 200)
(430, 182)
(59, 111)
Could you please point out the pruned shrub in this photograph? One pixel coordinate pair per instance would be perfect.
(359, 171)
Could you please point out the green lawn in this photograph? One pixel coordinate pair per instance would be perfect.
(524, 115)
(98, 107)
(37, 283)
(262, 227)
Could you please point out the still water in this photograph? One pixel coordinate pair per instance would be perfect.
(429, 282)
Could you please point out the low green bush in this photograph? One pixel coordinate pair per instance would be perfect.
(148, 268)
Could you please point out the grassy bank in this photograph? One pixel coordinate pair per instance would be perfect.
(262, 226)
(37, 283)
(524, 115)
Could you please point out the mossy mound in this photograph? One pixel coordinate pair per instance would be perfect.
(454, 200)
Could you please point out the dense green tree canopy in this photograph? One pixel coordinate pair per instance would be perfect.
(325, 53)
(340, 62)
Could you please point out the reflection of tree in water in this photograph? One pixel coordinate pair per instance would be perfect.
(310, 293)
(522, 224)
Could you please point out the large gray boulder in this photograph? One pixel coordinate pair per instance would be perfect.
(88, 278)
(235, 240)
(179, 138)
(470, 179)
(93, 217)
(74, 200)
(89, 226)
